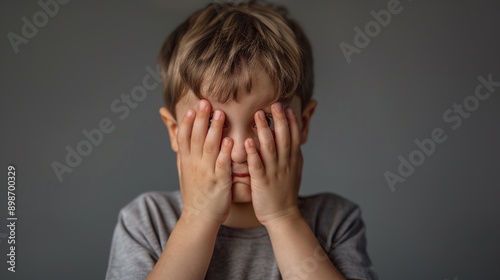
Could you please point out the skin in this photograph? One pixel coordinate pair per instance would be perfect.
(240, 140)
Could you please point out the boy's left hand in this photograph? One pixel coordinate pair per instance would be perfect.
(276, 169)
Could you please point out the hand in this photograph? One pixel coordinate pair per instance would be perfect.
(275, 170)
(204, 166)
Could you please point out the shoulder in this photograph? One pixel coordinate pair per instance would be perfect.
(330, 215)
(327, 204)
(143, 227)
(161, 208)
(154, 199)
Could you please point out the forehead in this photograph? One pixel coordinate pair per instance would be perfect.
(247, 102)
(261, 96)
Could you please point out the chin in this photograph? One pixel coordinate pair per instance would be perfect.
(242, 193)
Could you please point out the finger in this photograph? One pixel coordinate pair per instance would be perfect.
(282, 134)
(213, 141)
(255, 165)
(266, 140)
(184, 132)
(200, 128)
(223, 162)
(294, 133)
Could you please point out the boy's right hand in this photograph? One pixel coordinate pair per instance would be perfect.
(204, 166)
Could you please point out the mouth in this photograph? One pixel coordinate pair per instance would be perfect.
(241, 174)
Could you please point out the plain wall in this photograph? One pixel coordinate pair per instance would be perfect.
(440, 223)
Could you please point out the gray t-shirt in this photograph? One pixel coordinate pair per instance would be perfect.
(145, 224)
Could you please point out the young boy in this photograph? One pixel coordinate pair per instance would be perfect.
(238, 85)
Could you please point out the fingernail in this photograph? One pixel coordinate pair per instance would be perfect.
(277, 107)
(261, 115)
(289, 112)
(202, 105)
(250, 143)
(217, 115)
(189, 113)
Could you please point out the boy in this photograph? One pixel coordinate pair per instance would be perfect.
(238, 86)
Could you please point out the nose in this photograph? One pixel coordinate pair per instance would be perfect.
(238, 154)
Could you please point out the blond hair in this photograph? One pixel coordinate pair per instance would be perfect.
(219, 46)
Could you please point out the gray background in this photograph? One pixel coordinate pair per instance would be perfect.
(441, 223)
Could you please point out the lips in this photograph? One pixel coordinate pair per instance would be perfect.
(240, 174)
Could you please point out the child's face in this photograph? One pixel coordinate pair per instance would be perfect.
(240, 124)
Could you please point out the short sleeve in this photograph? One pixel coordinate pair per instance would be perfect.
(141, 233)
(129, 257)
(337, 224)
(348, 248)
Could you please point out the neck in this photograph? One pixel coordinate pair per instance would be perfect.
(242, 215)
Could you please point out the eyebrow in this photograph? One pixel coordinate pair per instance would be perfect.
(264, 108)
(263, 105)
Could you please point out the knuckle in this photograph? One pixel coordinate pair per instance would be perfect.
(281, 117)
(269, 146)
(209, 147)
(196, 139)
(286, 146)
(258, 166)
(220, 163)
(285, 134)
(181, 135)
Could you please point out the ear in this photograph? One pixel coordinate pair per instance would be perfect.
(171, 125)
(306, 120)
